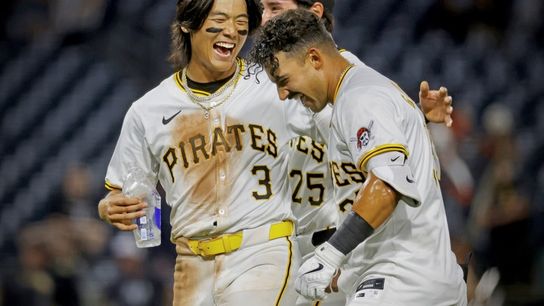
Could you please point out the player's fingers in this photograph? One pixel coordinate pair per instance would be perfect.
(448, 121)
(448, 100)
(334, 282)
(449, 110)
(319, 294)
(443, 92)
(126, 216)
(123, 200)
(423, 89)
(125, 227)
(126, 209)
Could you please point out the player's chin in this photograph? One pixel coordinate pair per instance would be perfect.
(313, 105)
(307, 102)
(223, 63)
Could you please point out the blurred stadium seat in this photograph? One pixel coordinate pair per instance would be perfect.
(62, 101)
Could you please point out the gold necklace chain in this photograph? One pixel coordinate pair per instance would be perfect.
(199, 100)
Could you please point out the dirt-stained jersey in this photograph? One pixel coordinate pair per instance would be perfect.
(376, 126)
(223, 169)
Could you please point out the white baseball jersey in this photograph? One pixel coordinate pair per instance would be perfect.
(377, 127)
(311, 188)
(310, 179)
(312, 193)
(223, 170)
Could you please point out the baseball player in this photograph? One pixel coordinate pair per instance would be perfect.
(309, 173)
(394, 241)
(216, 139)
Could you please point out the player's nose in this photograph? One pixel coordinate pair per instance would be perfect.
(229, 29)
(266, 16)
(283, 93)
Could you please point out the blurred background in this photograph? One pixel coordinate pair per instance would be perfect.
(69, 69)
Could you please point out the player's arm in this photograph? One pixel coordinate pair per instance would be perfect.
(120, 211)
(435, 104)
(131, 151)
(374, 204)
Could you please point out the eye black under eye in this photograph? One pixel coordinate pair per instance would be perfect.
(214, 30)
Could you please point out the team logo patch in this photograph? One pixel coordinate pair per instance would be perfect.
(363, 136)
(371, 288)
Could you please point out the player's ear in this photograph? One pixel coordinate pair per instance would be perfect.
(318, 9)
(314, 57)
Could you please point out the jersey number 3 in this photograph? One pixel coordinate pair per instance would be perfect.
(264, 174)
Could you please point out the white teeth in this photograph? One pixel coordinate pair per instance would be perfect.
(225, 45)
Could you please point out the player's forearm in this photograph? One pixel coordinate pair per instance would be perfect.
(376, 201)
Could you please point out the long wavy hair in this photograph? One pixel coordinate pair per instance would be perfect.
(191, 15)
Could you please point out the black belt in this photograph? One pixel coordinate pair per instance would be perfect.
(320, 237)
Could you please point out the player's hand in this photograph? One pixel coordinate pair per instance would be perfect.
(120, 210)
(315, 275)
(436, 104)
(333, 286)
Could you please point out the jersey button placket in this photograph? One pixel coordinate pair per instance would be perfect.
(220, 162)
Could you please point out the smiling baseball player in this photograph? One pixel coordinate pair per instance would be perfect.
(216, 139)
(395, 240)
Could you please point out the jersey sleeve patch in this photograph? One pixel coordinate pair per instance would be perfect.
(364, 135)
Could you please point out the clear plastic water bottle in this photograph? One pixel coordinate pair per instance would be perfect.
(138, 184)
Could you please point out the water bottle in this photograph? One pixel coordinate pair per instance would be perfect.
(138, 184)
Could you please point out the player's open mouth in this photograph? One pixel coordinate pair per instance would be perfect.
(224, 49)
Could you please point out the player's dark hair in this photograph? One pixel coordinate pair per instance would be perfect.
(289, 32)
(328, 5)
(191, 14)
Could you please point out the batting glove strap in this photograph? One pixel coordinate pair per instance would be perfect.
(329, 255)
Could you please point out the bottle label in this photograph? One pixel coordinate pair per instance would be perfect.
(143, 234)
(157, 211)
(158, 217)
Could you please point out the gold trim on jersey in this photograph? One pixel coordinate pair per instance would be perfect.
(404, 96)
(342, 76)
(379, 150)
(111, 187)
(177, 79)
(288, 273)
(436, 175)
